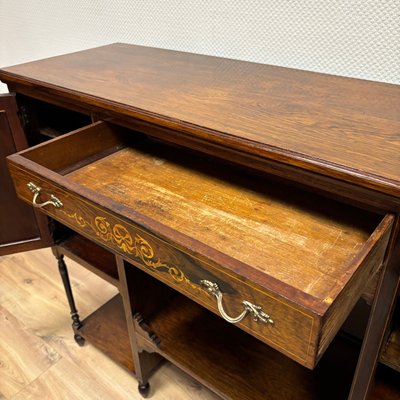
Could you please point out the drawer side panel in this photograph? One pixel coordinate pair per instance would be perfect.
(366, 268)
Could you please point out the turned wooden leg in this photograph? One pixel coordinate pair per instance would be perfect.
(76, 322)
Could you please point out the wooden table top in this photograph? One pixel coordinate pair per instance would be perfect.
(341, 127)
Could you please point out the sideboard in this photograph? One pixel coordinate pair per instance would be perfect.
(242, 210)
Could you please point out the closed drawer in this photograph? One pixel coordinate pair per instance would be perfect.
(284, 265)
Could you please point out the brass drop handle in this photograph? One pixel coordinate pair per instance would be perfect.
(257, 313)
(54, 201)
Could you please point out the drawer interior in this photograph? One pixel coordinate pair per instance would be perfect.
(304, 240)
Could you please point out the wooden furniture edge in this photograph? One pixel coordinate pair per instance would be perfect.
(41, 90)
(378, 322)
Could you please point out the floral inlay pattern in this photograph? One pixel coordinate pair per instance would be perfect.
(136, 246)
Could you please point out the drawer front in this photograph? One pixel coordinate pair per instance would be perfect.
(291, 330)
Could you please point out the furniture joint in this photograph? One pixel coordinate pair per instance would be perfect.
(145, 329)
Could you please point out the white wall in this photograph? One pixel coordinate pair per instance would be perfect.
(358, 38)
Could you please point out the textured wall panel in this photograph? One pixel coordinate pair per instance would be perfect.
(358, 38)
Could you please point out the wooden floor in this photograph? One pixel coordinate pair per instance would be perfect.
(39, 358)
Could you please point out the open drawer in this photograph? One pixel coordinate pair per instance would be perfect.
(285, 265)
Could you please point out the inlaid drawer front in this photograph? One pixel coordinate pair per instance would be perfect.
(272, 320)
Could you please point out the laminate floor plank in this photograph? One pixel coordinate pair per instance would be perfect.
(31, 291)
(30, 287)
(67, 380)
(23, 356)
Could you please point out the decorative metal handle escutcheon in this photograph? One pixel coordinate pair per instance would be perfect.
(54, 201)
(257, 313)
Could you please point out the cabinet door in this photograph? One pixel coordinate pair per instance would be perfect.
(21, 227)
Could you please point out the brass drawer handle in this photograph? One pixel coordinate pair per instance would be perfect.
(257, 313)
(54, 201)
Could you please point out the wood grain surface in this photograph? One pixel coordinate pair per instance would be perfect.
(16, 216)
(339, 126)
(22, 227)
(292, 252)
(41, 336)
(391, 352)
(93, 257)
(39, 360)
(108, 325)
(305, 241)
(34, 355)
(233, 364)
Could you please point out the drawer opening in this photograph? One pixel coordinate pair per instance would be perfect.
(309, 252)
(44, 121)
(86, 252)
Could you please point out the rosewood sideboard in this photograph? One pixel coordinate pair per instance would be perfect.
(245, 212)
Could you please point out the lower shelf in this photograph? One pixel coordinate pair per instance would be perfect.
(391, 353)
(237, 366)
(387, 384)
(107, 330)
(92, 256)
